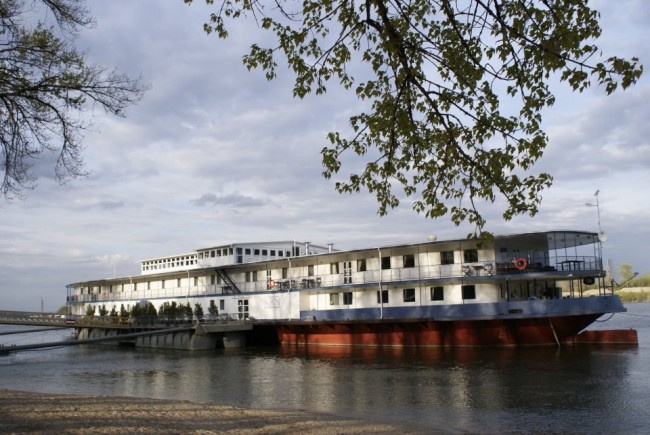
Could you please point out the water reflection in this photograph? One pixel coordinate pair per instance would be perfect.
(469, 388)
(591, 390)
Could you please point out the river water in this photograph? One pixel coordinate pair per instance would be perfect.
(569, 390)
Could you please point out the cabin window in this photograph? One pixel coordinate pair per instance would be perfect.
(272, 252)
(212, 253)
(280, 253)
(242, 306)
(347, 298)
(148, 285)
(409, 260)
(447, 257)
(247, 251)
(382, 297)
(222, 305)
(469, 292)
(265, 252)
(240, 258)
(256, 252)
(285, 273)
(409, 294)
(248, 276)
(334, 298)
(334, 268)
(361, 265)
(213, 279)
(385, 263)
(162, 284)
(178, 282)
(218, 279)
(196, 281)
(470, 255)
(347, 272)
(437, 293)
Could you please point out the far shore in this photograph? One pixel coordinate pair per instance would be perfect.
(23, 412)
(627, 294)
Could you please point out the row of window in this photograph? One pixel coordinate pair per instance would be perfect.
(408, 295)
(408, 261)
(266, 252)
(168, 263)
(215, 253)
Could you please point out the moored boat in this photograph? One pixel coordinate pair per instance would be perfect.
(523, 289)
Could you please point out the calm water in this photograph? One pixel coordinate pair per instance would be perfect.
(577, 390)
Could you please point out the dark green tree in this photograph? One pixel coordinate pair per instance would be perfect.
(143, 312)
(150, 310)
(90, 310)
(198, 311)
(212, 309)
(455, 90)
(186, 310)
(45, 86)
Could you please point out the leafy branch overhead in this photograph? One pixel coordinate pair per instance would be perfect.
(455, 89)
(45, 84)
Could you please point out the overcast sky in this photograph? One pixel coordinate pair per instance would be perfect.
(215, 154)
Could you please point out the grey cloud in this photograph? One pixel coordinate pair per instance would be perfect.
(110, 205)
(612, 135)
(232, 200)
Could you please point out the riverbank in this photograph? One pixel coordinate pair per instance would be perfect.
(627, 295)
(22, 412)
(638, 294)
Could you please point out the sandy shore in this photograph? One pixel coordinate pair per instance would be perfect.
(49, 413)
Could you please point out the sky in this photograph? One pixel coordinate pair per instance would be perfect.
(215, 154)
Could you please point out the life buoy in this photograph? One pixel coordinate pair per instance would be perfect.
(520, 264)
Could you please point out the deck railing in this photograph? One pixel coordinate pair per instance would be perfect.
(475, 269)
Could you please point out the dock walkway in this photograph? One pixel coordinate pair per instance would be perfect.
(102, 329)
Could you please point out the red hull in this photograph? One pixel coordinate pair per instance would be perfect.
(505, 332)
(609, 336)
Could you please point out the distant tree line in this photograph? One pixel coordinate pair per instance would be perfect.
(628, 280)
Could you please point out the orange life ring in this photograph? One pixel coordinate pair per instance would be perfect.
(520, 264)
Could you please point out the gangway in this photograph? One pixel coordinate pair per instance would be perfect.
(4, 350)
(201, 334)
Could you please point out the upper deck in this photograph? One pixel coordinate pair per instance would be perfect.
(226, 255)
(548, 255)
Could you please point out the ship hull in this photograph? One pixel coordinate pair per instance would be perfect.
(423, 333)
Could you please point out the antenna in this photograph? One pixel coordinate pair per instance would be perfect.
(601, 234)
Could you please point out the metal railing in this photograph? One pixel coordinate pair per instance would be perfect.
(481, 268)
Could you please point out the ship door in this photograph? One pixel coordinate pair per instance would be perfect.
(347, 272)
(242, 309)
